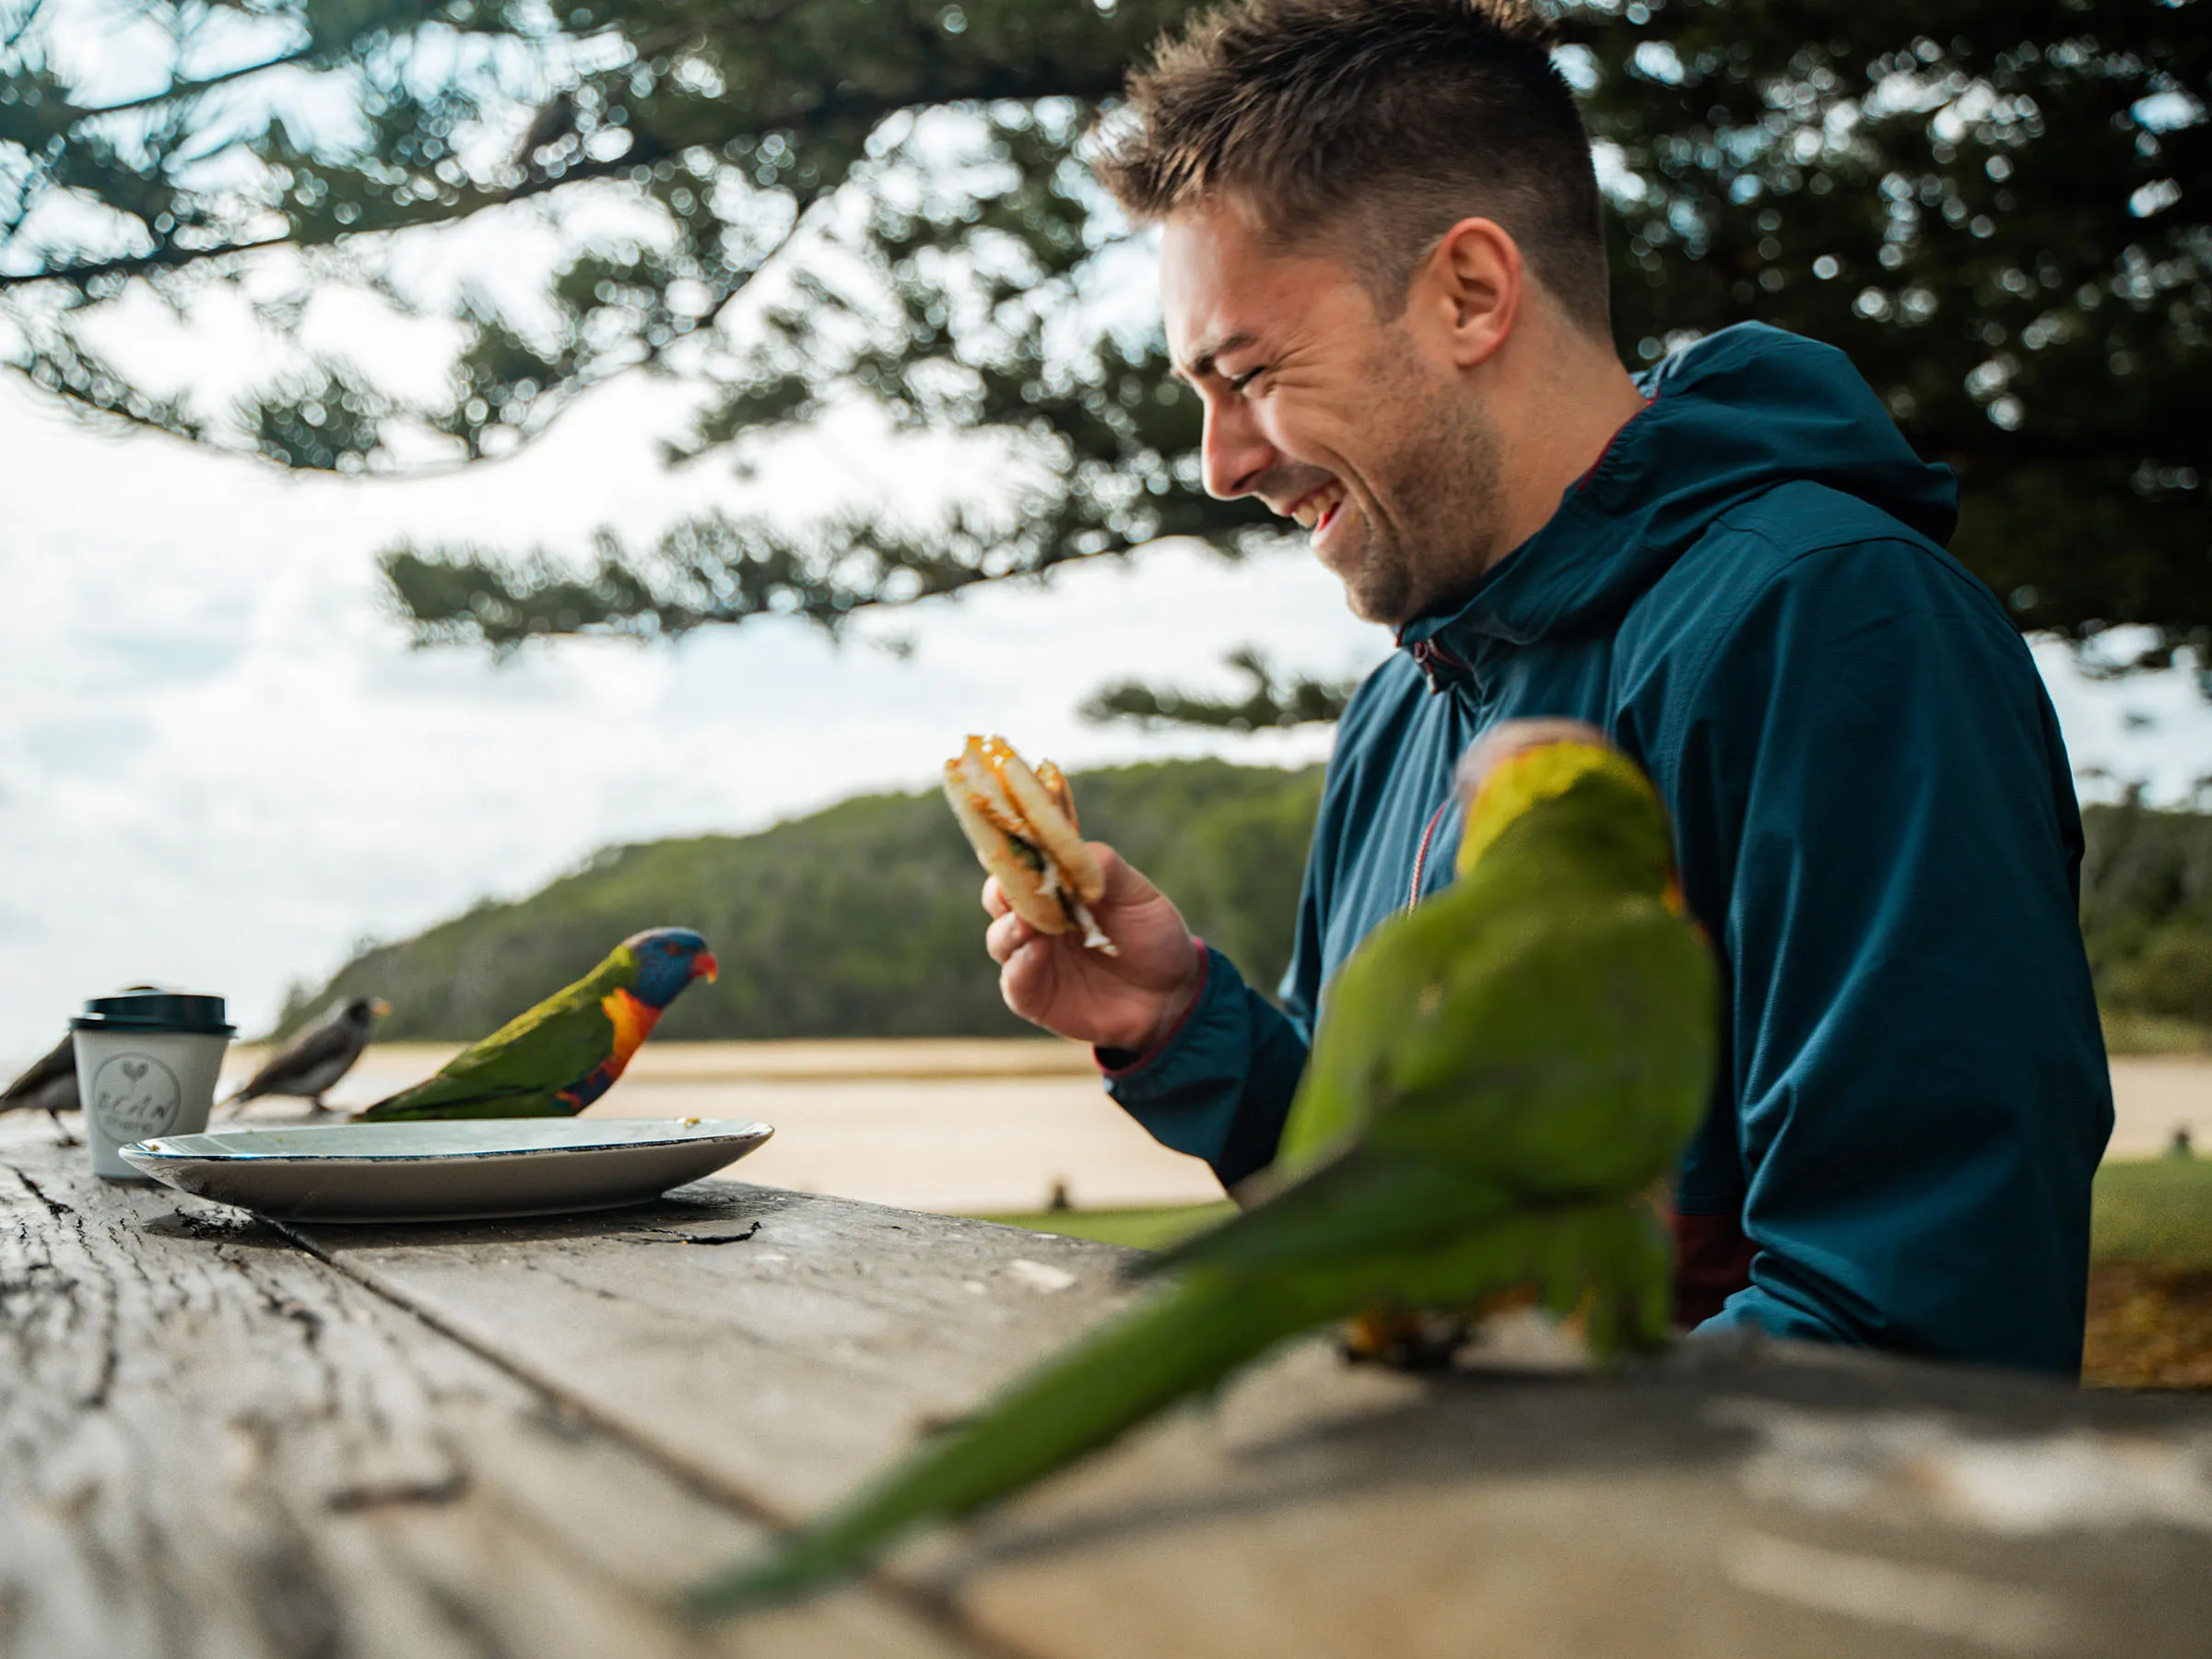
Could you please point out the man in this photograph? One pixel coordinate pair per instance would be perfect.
(1382, 270)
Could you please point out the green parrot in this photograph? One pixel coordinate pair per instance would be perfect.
(564, 1054)
(1500, 1076)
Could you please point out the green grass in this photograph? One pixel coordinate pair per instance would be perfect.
(2155, 1210)
(1144, 1229)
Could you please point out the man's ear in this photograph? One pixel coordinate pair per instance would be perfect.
(1472, 286)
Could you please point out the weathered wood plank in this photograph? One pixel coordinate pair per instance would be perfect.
(809, 1350)
(1757, 1506)
(213, 1444)
(1766, 1504)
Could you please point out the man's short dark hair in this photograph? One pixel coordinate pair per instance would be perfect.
(1373, 126)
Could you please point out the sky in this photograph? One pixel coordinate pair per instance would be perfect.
(222, 766)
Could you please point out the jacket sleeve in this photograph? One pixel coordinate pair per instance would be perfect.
(1220, 1087)
(1878, 827)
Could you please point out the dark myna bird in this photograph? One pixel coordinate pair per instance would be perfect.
(50, 1084)
(318, 1054)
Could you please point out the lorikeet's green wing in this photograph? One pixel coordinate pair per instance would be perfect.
(1570, 1061)
(514, 1072)
(1395, 1016)
(1560, 1064)
(1372, 994)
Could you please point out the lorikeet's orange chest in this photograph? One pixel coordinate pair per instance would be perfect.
(633, 1022)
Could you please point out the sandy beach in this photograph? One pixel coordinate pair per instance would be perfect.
(2151, 1099)
(992, 1125)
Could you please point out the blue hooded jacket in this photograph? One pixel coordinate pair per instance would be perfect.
(1876, 824)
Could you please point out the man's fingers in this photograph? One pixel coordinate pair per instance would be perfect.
(1007, 936)
(1124, 883)
(994, 897)
(1025, 977)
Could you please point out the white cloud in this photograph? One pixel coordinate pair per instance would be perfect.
(220, 764)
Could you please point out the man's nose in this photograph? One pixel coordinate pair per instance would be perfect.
(1236, 453)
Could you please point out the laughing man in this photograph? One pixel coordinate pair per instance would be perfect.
(1383, 271)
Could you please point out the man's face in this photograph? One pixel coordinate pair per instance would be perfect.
(1346, 421)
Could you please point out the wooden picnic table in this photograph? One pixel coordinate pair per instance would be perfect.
(233, 1438)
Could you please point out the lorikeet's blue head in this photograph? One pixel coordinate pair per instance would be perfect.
(668, 959)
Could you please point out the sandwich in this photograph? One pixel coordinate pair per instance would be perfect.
(1022, 826)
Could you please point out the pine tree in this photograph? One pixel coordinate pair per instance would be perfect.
(1998, 210)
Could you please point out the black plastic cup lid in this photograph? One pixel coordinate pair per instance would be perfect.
(154, 1011)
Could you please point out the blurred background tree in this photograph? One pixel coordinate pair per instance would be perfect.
(1999, 211)
(2147, 908)
(857, 921)
(797, 914)
(1270, 701)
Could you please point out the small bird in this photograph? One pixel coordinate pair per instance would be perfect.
(50, 1084)
(318, 1054)
(1499, 1076)
(561, 1055)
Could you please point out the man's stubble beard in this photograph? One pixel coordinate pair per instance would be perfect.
(1442, 482)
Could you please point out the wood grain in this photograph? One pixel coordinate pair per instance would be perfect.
(212, 1444)
(1758, 1504)
(800, 1357)
(518, 1439)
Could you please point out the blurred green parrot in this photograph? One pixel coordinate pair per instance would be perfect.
(564, 1054)
(1500, 1076)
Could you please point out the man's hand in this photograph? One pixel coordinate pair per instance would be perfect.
(1130, 1001)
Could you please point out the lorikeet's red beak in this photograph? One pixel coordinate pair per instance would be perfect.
(704, 962)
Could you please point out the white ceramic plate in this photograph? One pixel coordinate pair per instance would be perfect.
(445, 1172)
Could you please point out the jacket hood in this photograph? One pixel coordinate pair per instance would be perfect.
(1731, 417)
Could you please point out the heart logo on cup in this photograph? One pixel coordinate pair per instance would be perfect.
(133, 1096)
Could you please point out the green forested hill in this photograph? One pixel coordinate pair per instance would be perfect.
(862, 920)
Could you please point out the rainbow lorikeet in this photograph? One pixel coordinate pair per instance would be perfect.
(567, 1052)
(1499, 1076)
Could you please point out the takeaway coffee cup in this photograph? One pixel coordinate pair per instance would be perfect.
(147, 1062)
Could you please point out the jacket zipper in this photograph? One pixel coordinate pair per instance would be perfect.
(1420, 857)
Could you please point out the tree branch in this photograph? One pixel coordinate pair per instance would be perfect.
(166, 257)
(79, 114)
(1007, 82)
(1270, 703)
(171, 257)
(23, 26)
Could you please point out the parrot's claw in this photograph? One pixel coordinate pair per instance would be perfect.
(1403, 1341)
